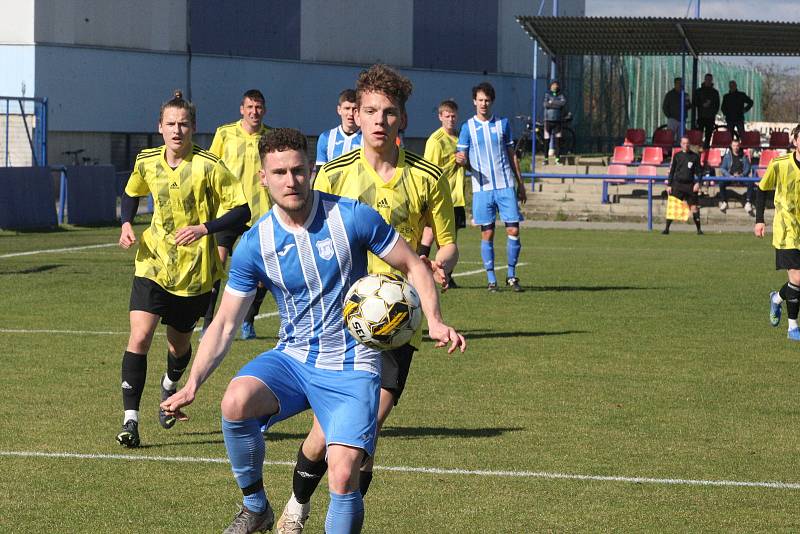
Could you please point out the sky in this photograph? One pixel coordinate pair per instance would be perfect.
(771, 10)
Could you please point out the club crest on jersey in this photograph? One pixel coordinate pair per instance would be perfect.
(325, 248)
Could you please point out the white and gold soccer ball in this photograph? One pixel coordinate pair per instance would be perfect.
(382, 311)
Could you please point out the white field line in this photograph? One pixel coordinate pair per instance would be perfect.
(49, 250)
(476, 271)
(109, 333)
(427, 470)
(96, 332)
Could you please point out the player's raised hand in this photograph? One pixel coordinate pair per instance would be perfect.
(127, 236)
(445, 335)
(173, 405)
(760, 229)
(190, 234)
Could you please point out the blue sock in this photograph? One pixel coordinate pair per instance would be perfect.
(245, 446)
(512, 248)
(487, 254)
(345, 513)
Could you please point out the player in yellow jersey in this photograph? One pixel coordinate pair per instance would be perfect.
(440, 149)
(409, 192)
(783, 176)
(176, 263)
(236, 143)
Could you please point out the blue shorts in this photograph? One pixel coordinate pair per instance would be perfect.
(345, 402)
(486, 204)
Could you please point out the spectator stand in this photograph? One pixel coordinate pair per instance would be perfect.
(620, 36)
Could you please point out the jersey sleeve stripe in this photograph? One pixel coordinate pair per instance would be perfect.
(237, 293)
(205, 153)
(385, 252)
(342, 161)
(425, 166)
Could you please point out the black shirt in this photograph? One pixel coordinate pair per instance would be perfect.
(684, 171)
(736, 164)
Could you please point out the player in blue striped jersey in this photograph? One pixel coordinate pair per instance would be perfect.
(486, 146)
(308, 250)
(344, 138)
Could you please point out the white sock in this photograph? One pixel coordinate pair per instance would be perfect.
(167, 383)
(792, 324)
(130, 414)
(776, 298)
(295, 508)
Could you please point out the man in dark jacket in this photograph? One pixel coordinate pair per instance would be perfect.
(706, 100)
(735, 163)
(684, 181)
(671, 106)
(734, 105)
(554, 103)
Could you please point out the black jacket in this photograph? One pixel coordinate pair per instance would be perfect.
(706, 100)
(554, 105)
(685, 171)
(735, 105)
(672, 104)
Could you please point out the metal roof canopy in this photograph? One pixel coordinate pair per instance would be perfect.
(648, 36)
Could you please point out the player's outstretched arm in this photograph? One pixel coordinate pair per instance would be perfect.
(402, 258)
(212, 350)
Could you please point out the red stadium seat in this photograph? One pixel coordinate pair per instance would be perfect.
(675, 150)
(646, 170)
(695, 137)
(721, 139)
(767, 155)
(711, 157)
(616, 170)
(635, 137)
(663, 138)
(623, 155)
(751, 139)
(653, 155)
(779, 140)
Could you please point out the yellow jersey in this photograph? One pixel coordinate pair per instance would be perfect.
(783, 176)
(440, 149)
(190, 194)
(239, 150)
(418, 195)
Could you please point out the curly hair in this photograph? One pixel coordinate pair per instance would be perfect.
(282, 139)
(485, 88)
(178, 102)
(384, 80)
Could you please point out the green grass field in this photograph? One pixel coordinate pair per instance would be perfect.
(630, 355)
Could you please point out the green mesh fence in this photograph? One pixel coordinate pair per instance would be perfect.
(649, 78)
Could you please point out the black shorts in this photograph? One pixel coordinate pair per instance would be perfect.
(461, 216)
(552, 128)
(227, 238)
(181, 313)
(690, 197)
(788, 258)
(396, 365)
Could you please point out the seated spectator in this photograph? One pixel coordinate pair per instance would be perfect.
(735, 163)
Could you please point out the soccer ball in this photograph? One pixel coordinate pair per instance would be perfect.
(382, 311)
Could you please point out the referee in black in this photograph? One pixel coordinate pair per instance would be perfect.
(684, 181)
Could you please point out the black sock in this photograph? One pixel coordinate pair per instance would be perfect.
(176, 365)
(424, 250)
(212, 304)
(261, 292)
(364, 480)
(669, 222)
(696, 217)
(791, 294)
(134, 373)
(306, 476)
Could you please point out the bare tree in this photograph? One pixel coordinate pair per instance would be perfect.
(780, 101)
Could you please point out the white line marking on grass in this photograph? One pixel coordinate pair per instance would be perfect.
(45, 251)
(426, 470)
(476, 271)
(95, 332)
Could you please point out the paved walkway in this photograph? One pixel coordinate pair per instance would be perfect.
(641, 226)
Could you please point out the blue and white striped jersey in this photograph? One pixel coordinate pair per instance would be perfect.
(334, 142)
(486, 144)
(309, 270)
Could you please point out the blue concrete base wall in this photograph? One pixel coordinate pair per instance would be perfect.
(27, 198)
(91, 195)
